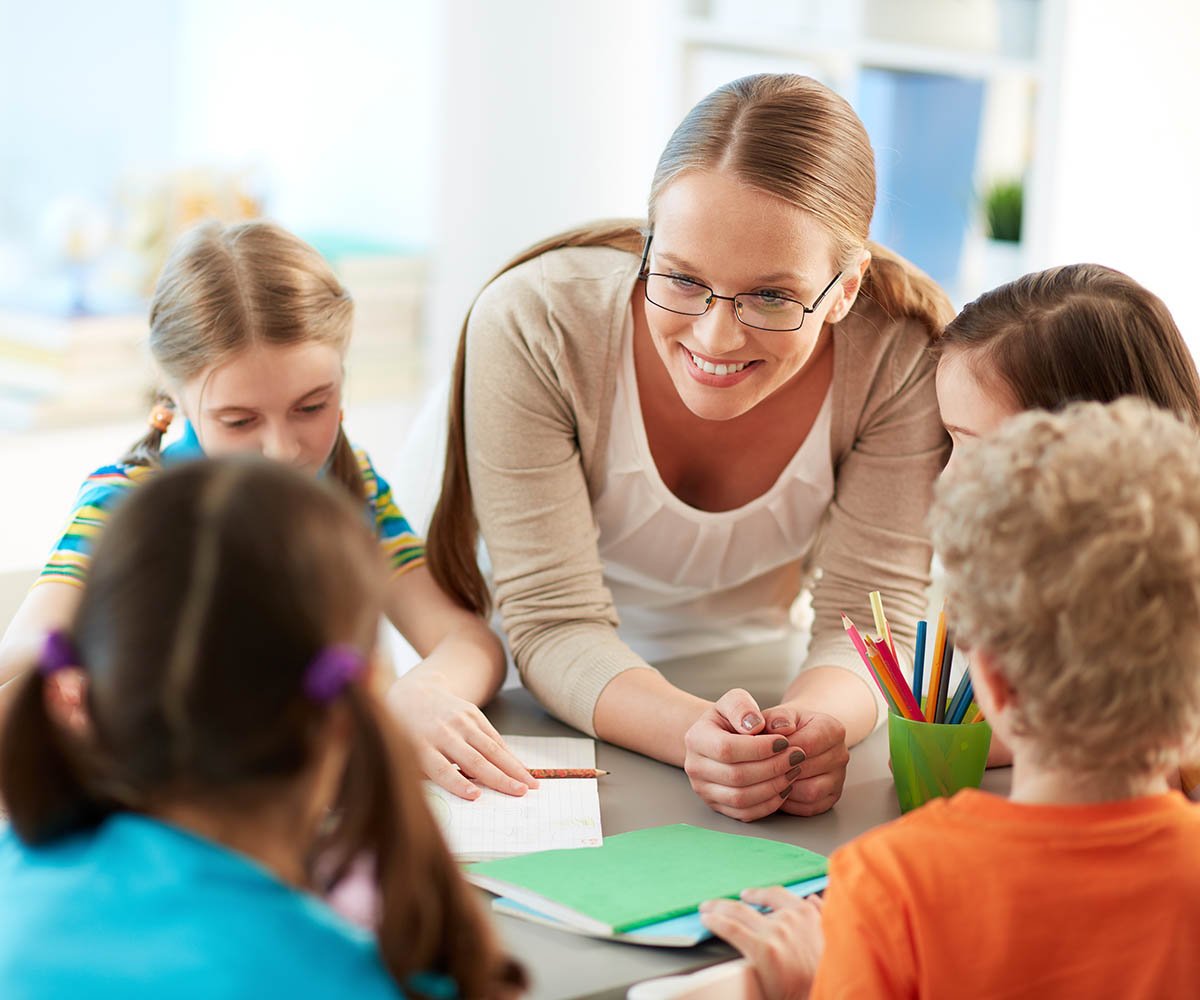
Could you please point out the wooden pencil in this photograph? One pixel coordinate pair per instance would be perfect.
(935, 666)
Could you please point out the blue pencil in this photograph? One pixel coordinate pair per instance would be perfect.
(962, 700)
(919, 661)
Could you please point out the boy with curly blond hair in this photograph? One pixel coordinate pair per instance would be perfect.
(1071, 544)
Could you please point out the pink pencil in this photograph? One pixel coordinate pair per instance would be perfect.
(911, 708)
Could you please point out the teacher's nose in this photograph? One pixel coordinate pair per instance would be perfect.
(719, 332)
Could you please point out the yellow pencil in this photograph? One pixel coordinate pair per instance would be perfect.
(881, 622)
(935, 666)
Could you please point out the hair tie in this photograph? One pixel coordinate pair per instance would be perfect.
(330, 671)
(161, 417)
(58, 652)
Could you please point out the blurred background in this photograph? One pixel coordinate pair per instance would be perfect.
(419, 144)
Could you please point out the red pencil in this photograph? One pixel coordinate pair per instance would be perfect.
(565, 772)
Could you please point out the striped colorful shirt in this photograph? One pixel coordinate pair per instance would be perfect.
(104, 488)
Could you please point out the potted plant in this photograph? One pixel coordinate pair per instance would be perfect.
(1003, 203)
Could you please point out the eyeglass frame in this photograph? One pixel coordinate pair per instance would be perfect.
(644, 275)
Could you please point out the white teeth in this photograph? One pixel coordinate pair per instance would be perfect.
(711, 369)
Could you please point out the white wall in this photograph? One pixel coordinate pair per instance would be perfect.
(552, 115)
(1126, 179)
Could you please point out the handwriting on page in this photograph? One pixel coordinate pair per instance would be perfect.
(561, 813)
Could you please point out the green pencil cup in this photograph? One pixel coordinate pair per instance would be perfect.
(930, 759)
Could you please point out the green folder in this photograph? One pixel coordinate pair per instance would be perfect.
(645, 876)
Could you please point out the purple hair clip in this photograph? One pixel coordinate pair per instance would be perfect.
(58, 652)
(330, 671)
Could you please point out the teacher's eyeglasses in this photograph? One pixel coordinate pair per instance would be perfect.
(766, 310)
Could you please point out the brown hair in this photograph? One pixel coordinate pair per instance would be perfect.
(1076, 333)
(783, 134)
(212, 589)
(1071, 543)
(227, 287)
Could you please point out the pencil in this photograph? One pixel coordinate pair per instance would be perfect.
(974, 713)
(565, 772)
(881, 622)
(879, 671)
(935, 665)
(919, 662)
(961, 700)
(911, 709)
(872, 669)
(944, 679)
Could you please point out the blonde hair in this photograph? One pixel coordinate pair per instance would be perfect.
(783, 134)
(1071, 543)
(225, 288)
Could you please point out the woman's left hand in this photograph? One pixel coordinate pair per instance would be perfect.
(784, 946)
(822, 773)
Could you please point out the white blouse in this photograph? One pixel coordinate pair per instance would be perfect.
(684, 580)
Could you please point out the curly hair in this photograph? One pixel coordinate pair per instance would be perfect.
(1071, 543)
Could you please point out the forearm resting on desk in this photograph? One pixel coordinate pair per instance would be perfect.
(837, 692)
(643, 711)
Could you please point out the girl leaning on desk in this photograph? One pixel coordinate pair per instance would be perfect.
(665, 431)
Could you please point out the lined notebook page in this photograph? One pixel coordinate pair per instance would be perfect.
(562, 812)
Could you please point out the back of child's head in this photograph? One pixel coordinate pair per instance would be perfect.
(1077, 333)
(1071, 543)
(231, 605)
(227, 288)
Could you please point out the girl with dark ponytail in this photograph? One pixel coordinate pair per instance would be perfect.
(233, 736)
(249, 329)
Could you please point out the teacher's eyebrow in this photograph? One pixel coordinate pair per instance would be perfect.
(779, 277)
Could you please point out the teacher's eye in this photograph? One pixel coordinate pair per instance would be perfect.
(686, 286)
(312, 408)
(237, 424)
(773, 299)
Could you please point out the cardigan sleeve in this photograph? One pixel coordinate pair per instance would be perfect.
(531, 494)
(875, 536)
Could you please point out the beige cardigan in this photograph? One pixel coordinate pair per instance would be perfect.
(542, 351)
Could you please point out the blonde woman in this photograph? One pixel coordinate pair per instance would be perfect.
(675, 425)
(249, 329)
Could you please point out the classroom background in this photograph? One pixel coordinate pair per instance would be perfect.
(418, 144)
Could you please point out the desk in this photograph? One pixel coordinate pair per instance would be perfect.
(641, 792)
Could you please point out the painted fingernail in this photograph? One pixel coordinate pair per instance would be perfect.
(796, 757)
(786, 792)
(750, 721)
(779, 745)
(779, 724)
(793, 774)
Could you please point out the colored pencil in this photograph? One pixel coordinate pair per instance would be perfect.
(935, 666)
(881, 622)
(911, 709)
(565, 772)
(919, 662)
(861, 646)
(974, 714)
(883, 677)
(944, 679)
(961, 700)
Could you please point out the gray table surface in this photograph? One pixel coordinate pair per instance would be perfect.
(641, 792)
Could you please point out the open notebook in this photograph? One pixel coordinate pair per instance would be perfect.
(560, 813)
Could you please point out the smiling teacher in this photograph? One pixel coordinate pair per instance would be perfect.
(678, 427)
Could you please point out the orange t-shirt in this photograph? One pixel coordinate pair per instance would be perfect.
(978, 896)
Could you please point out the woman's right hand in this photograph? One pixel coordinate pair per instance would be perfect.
(456, 745)
(734, 766)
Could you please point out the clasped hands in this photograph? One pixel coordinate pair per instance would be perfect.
(748, 763)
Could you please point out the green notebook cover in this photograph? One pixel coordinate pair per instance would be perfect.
(649, 875)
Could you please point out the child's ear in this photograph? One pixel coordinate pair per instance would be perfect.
(992, 689)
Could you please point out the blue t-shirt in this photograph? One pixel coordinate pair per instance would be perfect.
(139, 908)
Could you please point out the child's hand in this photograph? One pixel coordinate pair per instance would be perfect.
(784, 946)
(734, 765)
(455, 741)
